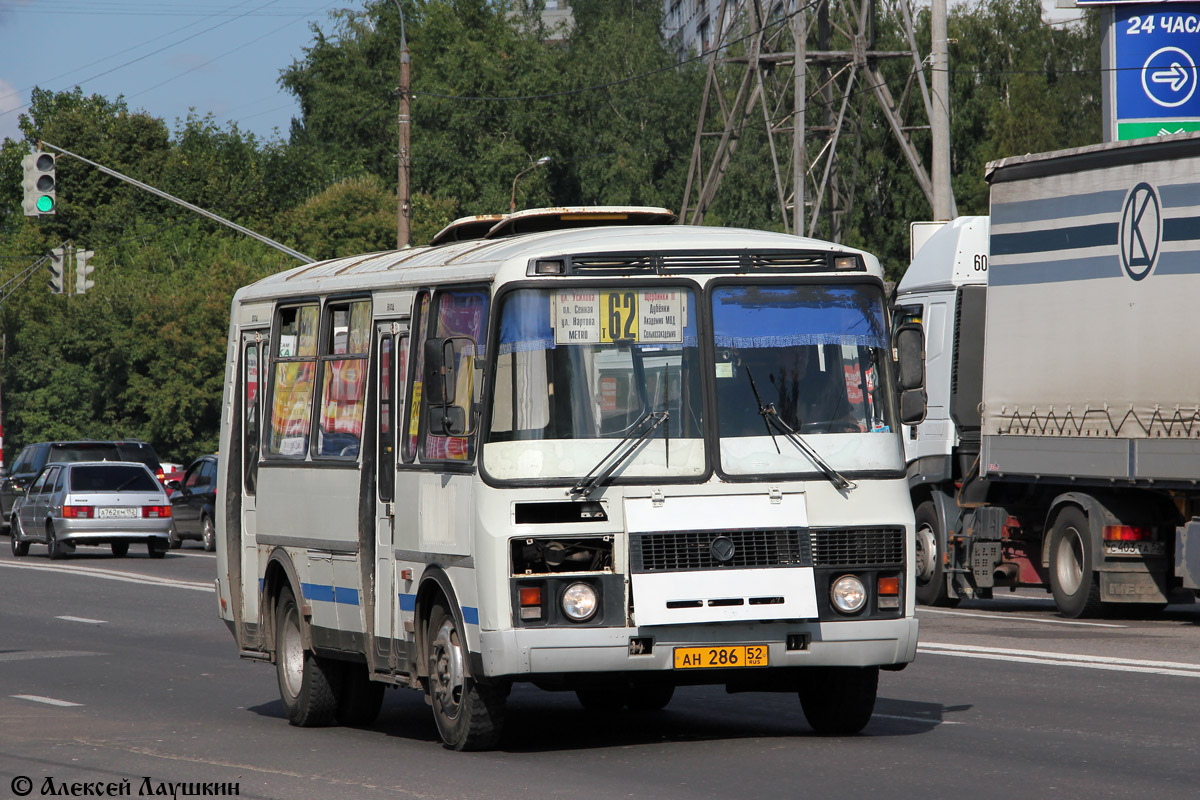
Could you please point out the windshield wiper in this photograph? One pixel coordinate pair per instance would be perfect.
(771, 418)
(628, 446)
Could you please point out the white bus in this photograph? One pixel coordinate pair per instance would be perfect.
(584, 449)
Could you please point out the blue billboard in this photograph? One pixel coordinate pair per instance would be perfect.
(1156, 52)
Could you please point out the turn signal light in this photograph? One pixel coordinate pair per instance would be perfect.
(77, 512)
(530, 598)
(155, 512)
(1127, 533)
(889, 586)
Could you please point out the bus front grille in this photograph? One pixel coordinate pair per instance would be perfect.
(857, 547)
(682, 551)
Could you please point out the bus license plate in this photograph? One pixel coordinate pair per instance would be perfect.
(117, 513)
(742, 655)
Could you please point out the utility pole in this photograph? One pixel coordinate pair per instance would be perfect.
(943, 194)
(404, 161)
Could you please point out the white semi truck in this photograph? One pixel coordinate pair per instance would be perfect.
(1062, 443)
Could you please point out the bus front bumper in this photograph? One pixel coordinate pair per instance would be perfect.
(550, 651)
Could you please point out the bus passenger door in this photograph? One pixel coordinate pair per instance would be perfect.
(253, 349)
(393, 349)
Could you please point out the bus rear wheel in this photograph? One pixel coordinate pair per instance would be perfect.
(839, 701)
(469, 714)
(306, 681)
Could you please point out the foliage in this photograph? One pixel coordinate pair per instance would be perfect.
(142, 353)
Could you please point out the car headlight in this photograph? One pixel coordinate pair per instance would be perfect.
(579, 602)
(848, 594)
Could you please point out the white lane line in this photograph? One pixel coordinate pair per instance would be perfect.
(83, 619)
(1110, 663)
(926, 720)
(30, 655)
(50, 701)
(113, 575)
(1007, 617)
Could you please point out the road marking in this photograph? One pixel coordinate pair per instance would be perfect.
(926, 720)
(50, 701)
(30, 655)
(1007, 617)
(113, 575)
(83, 619)
(1112, 664)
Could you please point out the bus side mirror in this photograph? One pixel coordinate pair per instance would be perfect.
(439, 377)
(448, 420)
(910, 356)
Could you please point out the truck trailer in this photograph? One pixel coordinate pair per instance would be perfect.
(1061, 448)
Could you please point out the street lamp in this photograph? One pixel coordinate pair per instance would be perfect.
(512, 204)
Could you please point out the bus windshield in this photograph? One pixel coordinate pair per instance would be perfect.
(578, 369)
(816, 354)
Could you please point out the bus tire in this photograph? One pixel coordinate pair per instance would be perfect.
(359, 698)
(839, 701)
(469, 714)
(603, 699)
(1073, 578)
(306, 681)
(653, 697)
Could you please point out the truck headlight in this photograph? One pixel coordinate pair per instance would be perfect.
(848, 594)
(579, 602)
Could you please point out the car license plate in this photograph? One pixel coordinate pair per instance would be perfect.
(117, 513)
(742, 655)
(1134, 548)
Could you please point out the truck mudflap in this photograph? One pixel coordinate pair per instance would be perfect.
(1187, 554)
(1133, 587)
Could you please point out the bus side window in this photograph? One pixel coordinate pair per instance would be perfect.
(250, 405)
(344, 378)
(461, 315)
(413, 375)
(292, 381)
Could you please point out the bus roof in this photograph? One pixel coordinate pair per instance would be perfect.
(667, 250)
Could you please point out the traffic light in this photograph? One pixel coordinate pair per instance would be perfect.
(39, 184)
(57, 262)
(83, 269)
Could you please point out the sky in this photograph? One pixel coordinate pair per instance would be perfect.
(166, 57)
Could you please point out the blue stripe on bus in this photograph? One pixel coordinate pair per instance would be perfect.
(329, 594)
(408, 602)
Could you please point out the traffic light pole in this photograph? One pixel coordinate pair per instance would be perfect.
(202, 212)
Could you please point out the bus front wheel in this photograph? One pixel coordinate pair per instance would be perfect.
(839, 701)
(306, 681)
(469, 714)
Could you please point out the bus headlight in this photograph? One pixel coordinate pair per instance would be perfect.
(848, 594)
(579, 602)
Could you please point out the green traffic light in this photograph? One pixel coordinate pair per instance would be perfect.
(45, 204)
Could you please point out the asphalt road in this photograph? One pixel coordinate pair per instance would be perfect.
(117, 670)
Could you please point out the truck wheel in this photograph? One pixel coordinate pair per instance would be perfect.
(469, 714)
(931, 559)
(359, 698)
(1073, 578)
(838, 701)
(306, 681)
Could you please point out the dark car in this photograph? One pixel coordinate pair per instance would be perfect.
(193, 504)
(34, 457)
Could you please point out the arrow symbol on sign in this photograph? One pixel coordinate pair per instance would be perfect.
(1176, 76)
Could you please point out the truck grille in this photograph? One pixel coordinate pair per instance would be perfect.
(679, 551)
(857, 547)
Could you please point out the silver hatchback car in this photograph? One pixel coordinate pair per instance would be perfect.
(93, 503)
